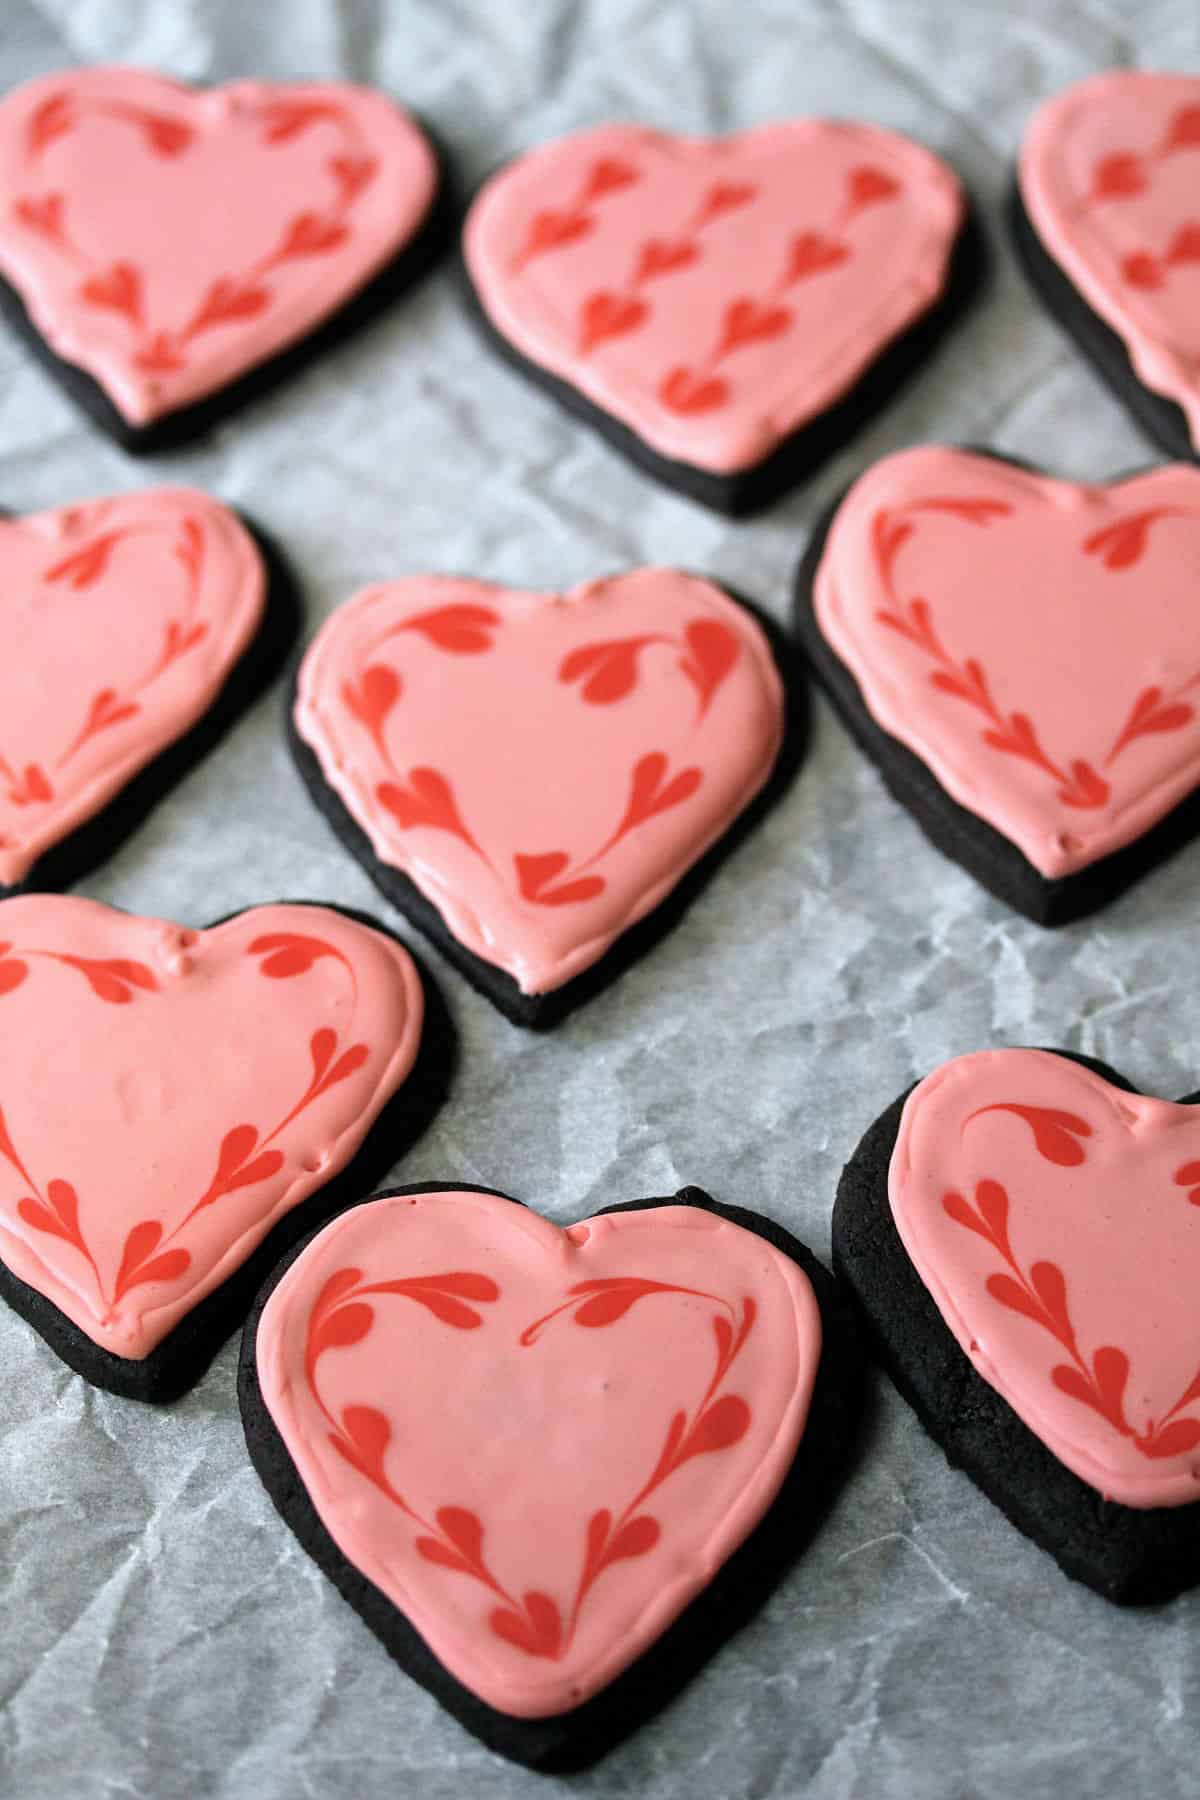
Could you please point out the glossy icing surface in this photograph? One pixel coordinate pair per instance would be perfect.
(1055, 1220)
(543, 766)
(129, 613)
(539, 1444)
(166, 1095)
(1109, 172)
(1035, 642)
(713, 294)
(165, 240)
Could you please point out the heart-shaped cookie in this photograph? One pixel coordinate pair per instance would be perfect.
(551, 1469)
(1106, 216)
(715, 305)
(214, 1080)
(1021, 658)
(1021, 1231)
(162, 245)
(124, 621)
(530, 775)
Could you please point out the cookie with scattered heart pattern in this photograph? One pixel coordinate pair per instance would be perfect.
(1106, 220)
(725, 310)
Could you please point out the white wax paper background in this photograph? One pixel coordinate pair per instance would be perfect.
(162, 1634)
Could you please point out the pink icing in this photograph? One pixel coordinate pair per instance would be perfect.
(713, 294)
(166, 240)
(215, 1079)
(1034, 642)
(1108, 176)
(129, 614)
(543, 766)
(1055, 1220)
(533, 1441)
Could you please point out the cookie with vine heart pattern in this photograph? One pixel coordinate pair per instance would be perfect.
(136, 630)
(551, 1469)
(1019, 1231)
(725, 311)
(168, 251)
(1105, 221)
(1020, 658)
(542, 782)
(223, 1090)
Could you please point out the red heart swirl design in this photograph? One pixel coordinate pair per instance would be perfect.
(687, 391)
(607, 316)
(627, 263)
(661, 257)
(869, 186)
(534, 1592)
(746, 322)
(812, 253)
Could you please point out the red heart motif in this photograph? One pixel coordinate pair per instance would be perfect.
(607, 174)
(1118, 176)
(870, 186)
(1185, 245)
(166, 241)
(130, 614)
(660, 257)
(1052, 1218)
(853, 223)
(812, 253)
(1183, 132)
(686, 391)
(607, 316)
(537, 875)
(726, 196)
(1141, 270)
(119, 289)
(549, 229)
(652, 697)
(223, 304)
(44, 215)
(139, 1173)
(1108, 178)
(1029, 639)
(746, 322)
(539, 1560)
